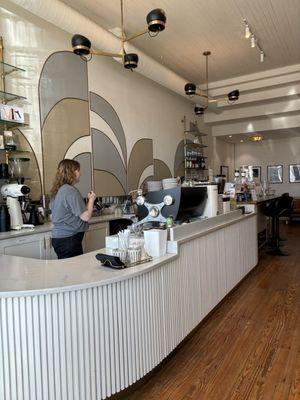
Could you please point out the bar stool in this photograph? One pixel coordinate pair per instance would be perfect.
(276, 209)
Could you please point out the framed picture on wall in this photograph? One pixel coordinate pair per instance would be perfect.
(294, 173)
(275, 173)
(224, 170)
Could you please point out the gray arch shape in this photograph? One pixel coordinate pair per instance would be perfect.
(179, 156)
(107, 158)
(64, 75)
(105, 110)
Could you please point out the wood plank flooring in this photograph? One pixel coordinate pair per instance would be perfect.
(248, 348)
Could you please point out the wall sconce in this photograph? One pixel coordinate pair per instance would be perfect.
(191, 90)
(156, 21)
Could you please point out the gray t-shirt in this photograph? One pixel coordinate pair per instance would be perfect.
(67, 206)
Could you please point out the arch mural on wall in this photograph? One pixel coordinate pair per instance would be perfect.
(91, 133)
(179, 160)
(141, 157)
(64, 111)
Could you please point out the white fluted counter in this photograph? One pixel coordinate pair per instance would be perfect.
(71, 329)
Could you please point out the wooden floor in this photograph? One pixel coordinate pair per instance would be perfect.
(249, 348)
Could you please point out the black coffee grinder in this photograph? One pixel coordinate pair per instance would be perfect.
(34, 216)
(4, 218)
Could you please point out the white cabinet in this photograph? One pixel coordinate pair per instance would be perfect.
(30, 246)
(94, 238)
(39, 245)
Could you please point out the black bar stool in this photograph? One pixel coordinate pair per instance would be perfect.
(276, 209)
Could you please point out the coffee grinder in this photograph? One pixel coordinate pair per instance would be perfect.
(12, 192)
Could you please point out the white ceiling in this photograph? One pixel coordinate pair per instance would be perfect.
(194, 26)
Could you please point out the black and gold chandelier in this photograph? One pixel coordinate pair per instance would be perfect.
(156, 22)
(192, 90)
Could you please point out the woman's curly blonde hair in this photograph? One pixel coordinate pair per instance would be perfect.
(65, 174)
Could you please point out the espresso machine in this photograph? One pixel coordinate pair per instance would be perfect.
(183, 203)
(11, 192)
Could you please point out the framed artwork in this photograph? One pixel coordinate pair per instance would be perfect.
(275, 173)
(224, 170)
(256, 172)
(294, 173)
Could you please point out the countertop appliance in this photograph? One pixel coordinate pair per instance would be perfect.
(34, 216)
(12, 192)
(211, 205)
(220, 180)
(4, 218)
(188, 203)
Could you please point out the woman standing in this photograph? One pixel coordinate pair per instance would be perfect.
(70, 215)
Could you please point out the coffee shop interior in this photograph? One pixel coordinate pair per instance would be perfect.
(185, 120)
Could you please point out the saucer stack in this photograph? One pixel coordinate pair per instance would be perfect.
(169, 183)
(153, 186)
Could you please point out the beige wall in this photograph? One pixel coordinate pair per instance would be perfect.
(223, 155)
(270, 152)
(145, 109)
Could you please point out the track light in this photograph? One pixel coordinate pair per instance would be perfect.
(247, 31)
(190, 89)
(253, 40)
(156, 22)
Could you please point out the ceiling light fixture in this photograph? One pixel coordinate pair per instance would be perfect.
(156, 21)
(199, 110)
(256, 138)
(242, 141)
(253, 40)
(247, 31)
(230, 136)
(191, 90)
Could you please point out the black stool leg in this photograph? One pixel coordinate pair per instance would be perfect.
(275, 237)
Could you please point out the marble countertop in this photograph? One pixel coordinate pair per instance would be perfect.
(47, 226)
(25, 276)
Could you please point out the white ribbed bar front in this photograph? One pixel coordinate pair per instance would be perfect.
(91, 343)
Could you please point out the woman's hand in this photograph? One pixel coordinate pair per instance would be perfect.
(86, 215)
(91, 196)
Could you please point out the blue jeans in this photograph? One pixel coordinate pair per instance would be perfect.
(69, 246)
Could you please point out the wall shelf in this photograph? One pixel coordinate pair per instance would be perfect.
(195, 133)
(7, 125)
(14, 151)
(7, 97)
(194, 159)
(199, 145)
(6, 69)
